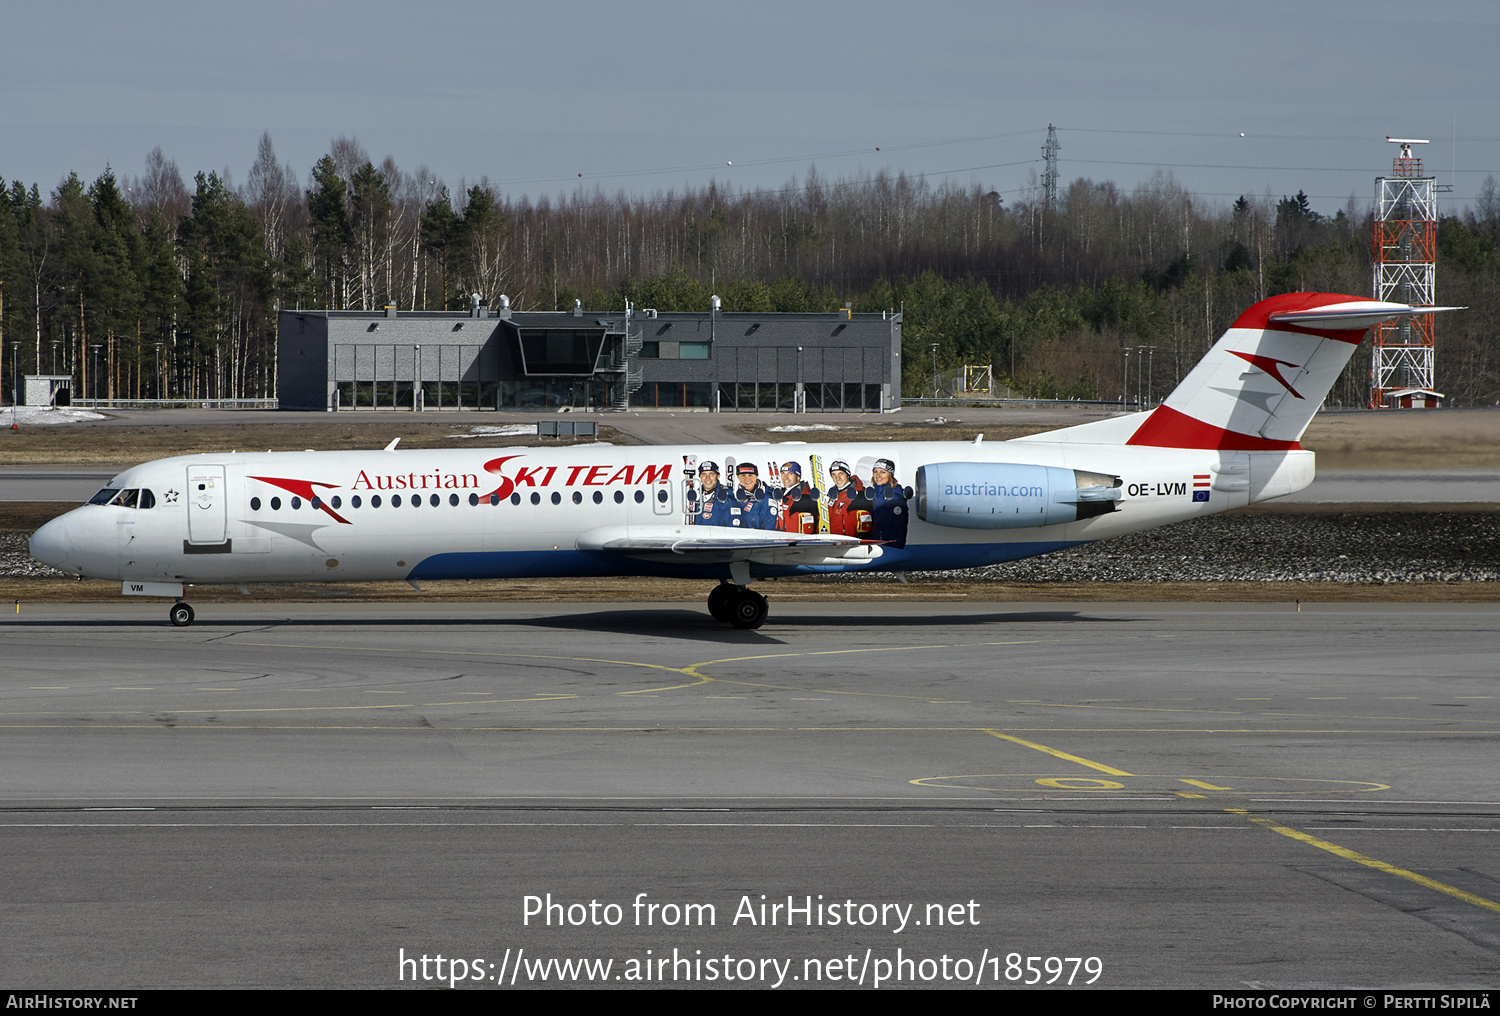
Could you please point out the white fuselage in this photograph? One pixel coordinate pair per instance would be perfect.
(497, 513)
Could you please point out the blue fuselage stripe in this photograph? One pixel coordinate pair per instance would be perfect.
(583, 563)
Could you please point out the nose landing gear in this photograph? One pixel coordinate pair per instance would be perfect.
(180, 614)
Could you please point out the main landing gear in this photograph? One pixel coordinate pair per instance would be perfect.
(180, 614)
(740, 606)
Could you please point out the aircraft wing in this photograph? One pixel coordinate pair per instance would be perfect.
(708, 545)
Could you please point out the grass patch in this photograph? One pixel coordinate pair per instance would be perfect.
(93, 444)
(877, 432)
(1442, 439)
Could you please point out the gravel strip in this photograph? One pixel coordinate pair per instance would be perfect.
(1373, 547)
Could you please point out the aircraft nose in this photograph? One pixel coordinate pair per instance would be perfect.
(53, 544)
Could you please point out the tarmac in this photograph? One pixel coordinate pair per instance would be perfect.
(1158, 795)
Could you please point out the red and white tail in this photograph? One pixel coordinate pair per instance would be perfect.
(1261, 384)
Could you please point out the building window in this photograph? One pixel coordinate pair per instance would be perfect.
(560, 351)
(650, 351)
(694, 350)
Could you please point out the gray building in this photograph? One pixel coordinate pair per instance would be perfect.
(639, 359)
(47, 390)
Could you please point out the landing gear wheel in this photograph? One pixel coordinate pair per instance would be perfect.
(748, 609)
(720, 601)
(180, 614)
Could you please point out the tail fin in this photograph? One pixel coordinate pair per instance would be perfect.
(1261, 384)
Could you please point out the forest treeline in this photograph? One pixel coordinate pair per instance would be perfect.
(109, 279)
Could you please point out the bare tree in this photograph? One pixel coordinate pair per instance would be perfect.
(349, 156)
(270, 192)
(161, 191)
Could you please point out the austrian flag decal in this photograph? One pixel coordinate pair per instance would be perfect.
(1201, 484)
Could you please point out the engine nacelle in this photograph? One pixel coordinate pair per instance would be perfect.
(1003, 495)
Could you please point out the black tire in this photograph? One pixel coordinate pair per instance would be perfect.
(180, 614)
(749, 609)
(720, 602)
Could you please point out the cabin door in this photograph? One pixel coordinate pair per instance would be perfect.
(207, 510)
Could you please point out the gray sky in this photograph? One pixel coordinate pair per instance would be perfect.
(647, 97)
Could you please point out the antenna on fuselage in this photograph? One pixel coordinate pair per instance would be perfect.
(392, 446)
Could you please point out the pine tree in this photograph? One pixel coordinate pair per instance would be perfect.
(370, 224)
(331, 232)
(439, 232)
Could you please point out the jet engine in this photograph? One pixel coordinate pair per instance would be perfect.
(1002, 495)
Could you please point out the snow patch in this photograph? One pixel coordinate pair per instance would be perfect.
(796, 428)
(46, 416)
(502, 430)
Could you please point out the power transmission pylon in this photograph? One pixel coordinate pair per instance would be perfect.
(1049, 175)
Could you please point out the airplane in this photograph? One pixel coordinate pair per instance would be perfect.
(1227, 436)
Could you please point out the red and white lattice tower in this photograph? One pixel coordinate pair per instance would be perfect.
(1405, 270)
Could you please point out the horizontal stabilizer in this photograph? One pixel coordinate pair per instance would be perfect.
(1356, 315)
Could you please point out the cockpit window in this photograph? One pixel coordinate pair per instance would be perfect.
(132, 498)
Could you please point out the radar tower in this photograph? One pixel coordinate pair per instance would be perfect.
(1405, 270)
